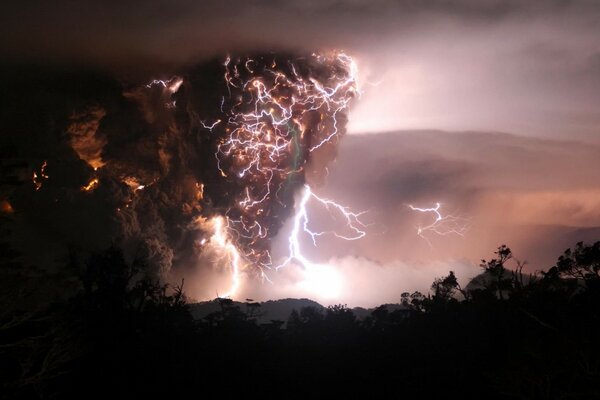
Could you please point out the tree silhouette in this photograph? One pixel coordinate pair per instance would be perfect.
(495, 267)
(126, 335)
(581, 263)
(445, 288)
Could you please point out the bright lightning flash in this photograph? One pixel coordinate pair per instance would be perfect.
(221, 240)
(319, 278)
(301, 221)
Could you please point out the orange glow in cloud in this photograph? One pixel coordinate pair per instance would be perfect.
(6, 207)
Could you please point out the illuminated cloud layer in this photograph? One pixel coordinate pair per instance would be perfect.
(128, 129)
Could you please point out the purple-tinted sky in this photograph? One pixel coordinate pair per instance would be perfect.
(530, 69)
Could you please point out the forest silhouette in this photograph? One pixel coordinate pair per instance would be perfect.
(507, 334)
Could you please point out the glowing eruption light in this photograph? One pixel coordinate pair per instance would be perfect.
(38, 179)
(91, 185)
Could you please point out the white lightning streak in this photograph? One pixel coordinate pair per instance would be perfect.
(172, 85)
(301, 221)
(221, 240)
(442, 225)
(210, 127)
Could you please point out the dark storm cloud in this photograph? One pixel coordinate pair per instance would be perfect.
(413, 179)
(46, 114)
(526, 67)
(526, 191)
(106, 162)
(119, 32)
(407, 165)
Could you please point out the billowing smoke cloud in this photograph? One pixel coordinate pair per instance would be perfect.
(149, 166)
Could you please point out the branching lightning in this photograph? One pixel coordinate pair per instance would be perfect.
(274, 117)
(172, 85)
(442, 225)
(301, 225)
(169, 85)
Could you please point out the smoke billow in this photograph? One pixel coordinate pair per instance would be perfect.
(143, 165)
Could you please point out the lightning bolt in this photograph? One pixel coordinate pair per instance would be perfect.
(221, 240)
(301, 225)
(172, 85)
(442, 225)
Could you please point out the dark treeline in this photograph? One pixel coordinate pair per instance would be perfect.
(506, 335)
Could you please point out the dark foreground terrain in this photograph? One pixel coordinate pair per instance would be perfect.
(120, 336)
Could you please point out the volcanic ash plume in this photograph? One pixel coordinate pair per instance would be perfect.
(84, 140)
(195, 171)
(274, 115)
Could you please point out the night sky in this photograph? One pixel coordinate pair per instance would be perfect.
(491, 108)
